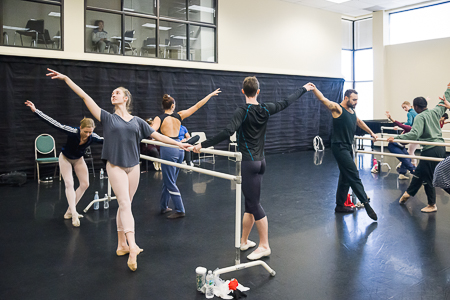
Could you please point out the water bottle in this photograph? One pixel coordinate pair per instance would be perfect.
(106, 202)
(96, 204)
(102, 174)
(209, 285)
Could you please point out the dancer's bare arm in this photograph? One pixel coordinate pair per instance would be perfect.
(335, 108)
(188, 112)
(162, 138)
(366, 128)
(30, 105)
(156, 123)
(90, 103)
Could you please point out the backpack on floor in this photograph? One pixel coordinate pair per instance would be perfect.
(13, 178)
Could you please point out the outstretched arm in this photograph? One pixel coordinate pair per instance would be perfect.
(274, 107)
(366, 128)
(231, 128)
(334, 107)
(388, 115)
(64, 128)
(445, 100)
(188, 112)
(162, 138)
(90, 103)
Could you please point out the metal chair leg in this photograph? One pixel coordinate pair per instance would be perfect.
(38, 174)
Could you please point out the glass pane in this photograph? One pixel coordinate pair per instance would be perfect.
(426, 23)
(173, 9)
(347, 34)
(202, 43)
(202, 11)
(364, 65)
(172, 39)
(140, 36)
(363, 34)
(103, 32)
(364, 108)
(140, 6)
(347, 64)
(34, 25)
(110, 4)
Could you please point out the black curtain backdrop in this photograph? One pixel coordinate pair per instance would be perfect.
(23, 78)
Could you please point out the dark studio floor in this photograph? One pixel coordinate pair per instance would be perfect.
(316, 253)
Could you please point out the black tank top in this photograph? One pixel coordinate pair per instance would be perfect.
(344, 128)
(173, 115)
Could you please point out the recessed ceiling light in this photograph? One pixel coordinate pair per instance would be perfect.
(338, 1)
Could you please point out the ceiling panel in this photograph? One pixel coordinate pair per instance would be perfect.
(358, 8)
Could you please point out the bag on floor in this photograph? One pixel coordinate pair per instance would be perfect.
(13, 178)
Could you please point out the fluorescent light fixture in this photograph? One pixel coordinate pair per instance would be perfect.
(338, 1)
(91, 26)
(54, 14)
(181, 37)
(128, 9)
(151, 25)
(203, 8)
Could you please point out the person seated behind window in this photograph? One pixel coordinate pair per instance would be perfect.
(100, 38)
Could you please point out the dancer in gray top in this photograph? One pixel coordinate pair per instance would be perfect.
(122, 133)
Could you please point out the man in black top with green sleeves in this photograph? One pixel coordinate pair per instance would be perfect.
(344, 127)
(425, 128)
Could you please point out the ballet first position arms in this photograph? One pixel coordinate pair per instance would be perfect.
(250, 123)
(71, 158)
(122, 136)
(344, 127)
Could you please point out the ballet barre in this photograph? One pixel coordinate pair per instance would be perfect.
(238, 180)
(399, 128)
(402, 155)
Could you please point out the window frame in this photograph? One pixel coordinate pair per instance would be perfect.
(353, 50)
(61, 25)
(411, 9)
(123, 13)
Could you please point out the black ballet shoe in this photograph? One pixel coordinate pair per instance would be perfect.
(370, 212)
(343, 209)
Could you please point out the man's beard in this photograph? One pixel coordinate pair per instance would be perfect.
(352, 106)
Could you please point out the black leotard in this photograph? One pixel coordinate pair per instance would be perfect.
(163, 116)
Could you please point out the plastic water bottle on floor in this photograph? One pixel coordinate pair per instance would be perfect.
(96, 204)
(106, 202)
(102, 173)
(375, 166)
(209, 285)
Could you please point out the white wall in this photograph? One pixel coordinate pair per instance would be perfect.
(267, 36)
(416, 69)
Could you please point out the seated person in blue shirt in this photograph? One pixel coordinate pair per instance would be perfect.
(100, 38)
(185, 137)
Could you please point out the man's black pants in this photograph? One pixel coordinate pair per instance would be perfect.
(424, 174)
(349, 175)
